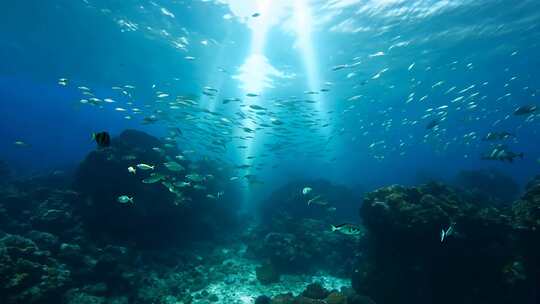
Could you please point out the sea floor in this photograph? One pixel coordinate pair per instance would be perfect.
(242, 287)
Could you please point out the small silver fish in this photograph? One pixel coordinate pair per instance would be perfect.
(348, 229)
(446, 233)
(124, 199)
(145, 167)
(306, 190)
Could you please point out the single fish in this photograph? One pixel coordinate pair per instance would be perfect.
(525, 110)
(306, 190)
(194, 177)
(153, 178)
(145, 167)
(20, 143)
(432, 124)
(446, 233)
(182, 184)
(493, 136)
(348, 229)
(199, 187)
(174, 166)
(124, 199)
(339, 67)
(316, 201)
(103, 139)
(502, 154)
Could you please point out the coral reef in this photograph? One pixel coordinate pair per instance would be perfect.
(524, 271)
(342, 202)
(63, 246)
(263, 300)
(163, 215)
(488, 185)
(315, 293)
(527, 210)
(407, 254)
(59, 245)
(30, 274)
(267, 274)
(299, 246)
(295, 239)
(5, 172)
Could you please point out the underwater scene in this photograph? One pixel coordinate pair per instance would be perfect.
(270, 152)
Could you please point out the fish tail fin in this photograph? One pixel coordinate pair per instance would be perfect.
(334, 228)
(443, 235)
(93, 136)
(131, 200)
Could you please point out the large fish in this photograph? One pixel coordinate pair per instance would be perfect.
(525, 110)
(348, 229)
(103, 139)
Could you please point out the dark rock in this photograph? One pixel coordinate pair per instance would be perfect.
(287, 298)
(71, 254)
(358, 299)
(306, 300)
(405, 253)
(336, 298)
(315, 291)
(5, 172)
(75, 296)
(489, 186)
(100, 289)
(263, 300)
(44, 240)
(296, 243)
(53, 211)
(526, 211)
(121, 300)
(30, 275)
(267, 274)
(158, 218)
(290, 200)
(523, 272)
(283, 247)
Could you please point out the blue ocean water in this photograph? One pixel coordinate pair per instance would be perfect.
(359, 93)
(490, 45)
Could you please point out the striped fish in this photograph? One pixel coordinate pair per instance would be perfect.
(103, 139)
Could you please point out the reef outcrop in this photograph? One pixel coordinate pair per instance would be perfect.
(65, 245)
(296, 237)
(164, 213)
(316, 293)
(421, 240)
(335, 201)
(5, 172)
(489, 185)
(29, 273)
